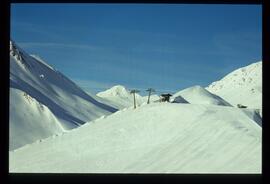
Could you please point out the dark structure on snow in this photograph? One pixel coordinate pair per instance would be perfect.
(241, 106)
(150, 90)
(134, 91)
(165, 97)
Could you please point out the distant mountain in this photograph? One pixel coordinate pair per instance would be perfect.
(199, 95)
(116, 91)
(120, 97)
(43, 101)
(242, 86)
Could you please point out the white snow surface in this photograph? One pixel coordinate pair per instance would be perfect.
(242, 86)
(153, 98)
(66, 105)
(34, 121)
(199, 95)
(154, 138)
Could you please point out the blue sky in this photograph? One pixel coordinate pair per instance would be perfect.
(167, 47)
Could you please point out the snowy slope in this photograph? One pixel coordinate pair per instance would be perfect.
(199, 95)
(65, 100)
(153, 98)
(118, 96)
(34, 120)
(178, 99)
(155, 138)
(242, 86)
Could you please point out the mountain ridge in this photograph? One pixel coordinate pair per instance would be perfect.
(241, 86)
(67, 101)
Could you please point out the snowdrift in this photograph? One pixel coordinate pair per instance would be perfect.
(154, 138)
(199, 95)
(68, 103)
(242, 86)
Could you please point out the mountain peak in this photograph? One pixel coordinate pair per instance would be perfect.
(14, 50)
(199, 95)
(118, 87)
(117, 90)
(241, 86)
(195, 89)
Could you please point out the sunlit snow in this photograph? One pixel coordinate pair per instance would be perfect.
(155, 138)
(56, 127)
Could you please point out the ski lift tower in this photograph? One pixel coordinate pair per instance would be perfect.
(150, 90)
(134, 91)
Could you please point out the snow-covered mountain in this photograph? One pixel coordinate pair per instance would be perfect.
(118, 96)
(43, 101)
(242, 86)
(199, 95)
(200, 133)
(154, 138)
(116, 91)
(30, 120)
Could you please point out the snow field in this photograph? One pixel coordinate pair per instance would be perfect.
(156, 138)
